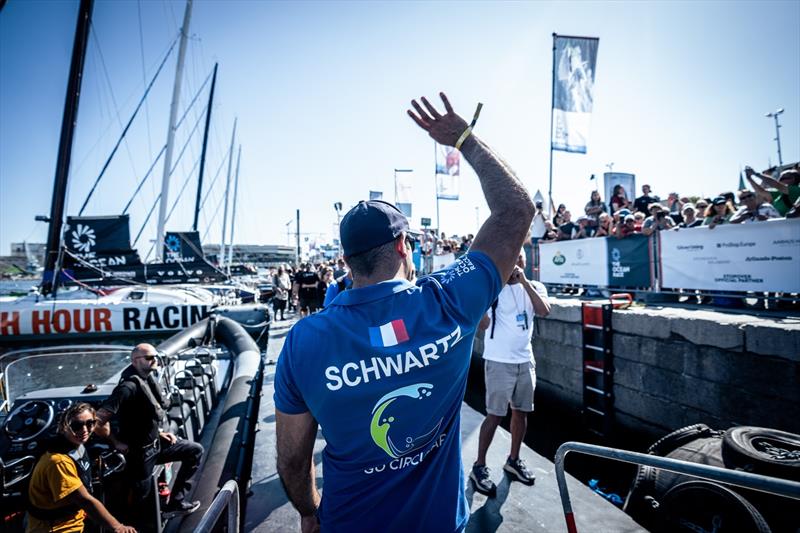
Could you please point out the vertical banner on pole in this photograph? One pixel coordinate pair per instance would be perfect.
(448, 168)
(574, 61)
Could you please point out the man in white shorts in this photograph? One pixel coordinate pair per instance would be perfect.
(510, 371)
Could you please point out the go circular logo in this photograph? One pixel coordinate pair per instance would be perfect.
(559, 259)
(393, 421)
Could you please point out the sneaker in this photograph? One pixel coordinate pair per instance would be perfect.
(519, 470)
(480, 480)
(180, 508)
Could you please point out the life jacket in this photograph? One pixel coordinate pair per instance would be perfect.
(83, 465)
(151, 390)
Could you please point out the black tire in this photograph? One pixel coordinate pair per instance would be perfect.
(705, 506)
(678, 438)
(763, 451)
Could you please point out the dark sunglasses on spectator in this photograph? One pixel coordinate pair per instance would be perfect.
(148, 357)
(77, 425)
(412, 242)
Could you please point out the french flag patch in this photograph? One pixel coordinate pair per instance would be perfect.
(388, 334)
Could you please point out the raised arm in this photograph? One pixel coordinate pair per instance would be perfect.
(510, 206)
(296, 434)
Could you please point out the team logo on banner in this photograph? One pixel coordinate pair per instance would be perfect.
(574, 61)
(83, 238)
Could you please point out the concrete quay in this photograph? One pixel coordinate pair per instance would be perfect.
(676, 366)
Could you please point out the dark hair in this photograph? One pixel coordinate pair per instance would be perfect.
(365, 263)
(70, 412)
(710, 211)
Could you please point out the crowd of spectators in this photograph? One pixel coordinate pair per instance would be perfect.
(769, 198)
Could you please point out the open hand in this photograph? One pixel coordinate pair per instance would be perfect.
(444, 129)
(172, 439)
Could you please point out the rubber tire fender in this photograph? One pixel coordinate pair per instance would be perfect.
(678, 438)
(693, 500)
(740, 450)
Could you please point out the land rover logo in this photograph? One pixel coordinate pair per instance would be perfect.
(559, 259)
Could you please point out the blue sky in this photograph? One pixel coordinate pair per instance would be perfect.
(320, 90)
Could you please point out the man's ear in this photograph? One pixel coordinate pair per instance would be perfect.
(400, 245)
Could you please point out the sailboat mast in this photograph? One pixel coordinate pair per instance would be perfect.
(205, 145)
(221, 256)
(65, 146)
(233, 214)
(173, 116)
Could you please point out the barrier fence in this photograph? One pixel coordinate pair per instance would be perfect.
(759, 257)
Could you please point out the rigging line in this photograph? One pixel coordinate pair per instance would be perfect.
(125, 131)
(144, 77)
(214, 180)
(94, 34)
(214, 216)
(146, 220)
(201, 255)
(149, 171)
(196, 94)
(189, 176)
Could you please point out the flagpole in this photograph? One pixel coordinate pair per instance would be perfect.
(552, 104)
(436, 190)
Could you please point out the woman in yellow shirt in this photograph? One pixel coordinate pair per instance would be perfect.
(58, 494)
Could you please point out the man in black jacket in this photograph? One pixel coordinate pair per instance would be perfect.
(139, 406)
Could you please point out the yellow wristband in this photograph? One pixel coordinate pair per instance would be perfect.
(468, 131)
(463, 137)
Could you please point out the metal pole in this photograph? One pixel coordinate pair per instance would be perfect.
(54, 233)
(297, 227)
(205, 145)
(233, 214)
(552, 104)
(777, 134)
(221, 257)
(173, 116)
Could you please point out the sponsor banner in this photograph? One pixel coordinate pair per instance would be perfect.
(574, 62)
(448, 168)
(183, 247)
(98, 242)
(761, 257)
(579, 262)
(44, 319)
(629, 261)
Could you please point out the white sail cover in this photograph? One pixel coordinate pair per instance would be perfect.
(574, 63)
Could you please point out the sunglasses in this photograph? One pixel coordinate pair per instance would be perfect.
(412, 243)
(747, 196)
(77, 425)
(147, 357)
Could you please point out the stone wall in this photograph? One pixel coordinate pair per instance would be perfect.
(680, 366)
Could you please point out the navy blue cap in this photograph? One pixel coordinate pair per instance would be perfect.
(370, 224)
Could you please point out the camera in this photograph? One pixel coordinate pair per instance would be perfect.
(660, 215)
(539, 204)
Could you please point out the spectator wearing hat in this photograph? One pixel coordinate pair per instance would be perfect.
(690, 219)
(638, 218)
(337, 368)
(659, 219)
(719, 212)
(626, 227)
(753, 209)
(700, 207)
(584, 228)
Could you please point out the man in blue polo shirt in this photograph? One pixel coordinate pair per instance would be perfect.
(383, 369)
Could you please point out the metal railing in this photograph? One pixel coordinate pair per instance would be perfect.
(777, 486)
(226, 498)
